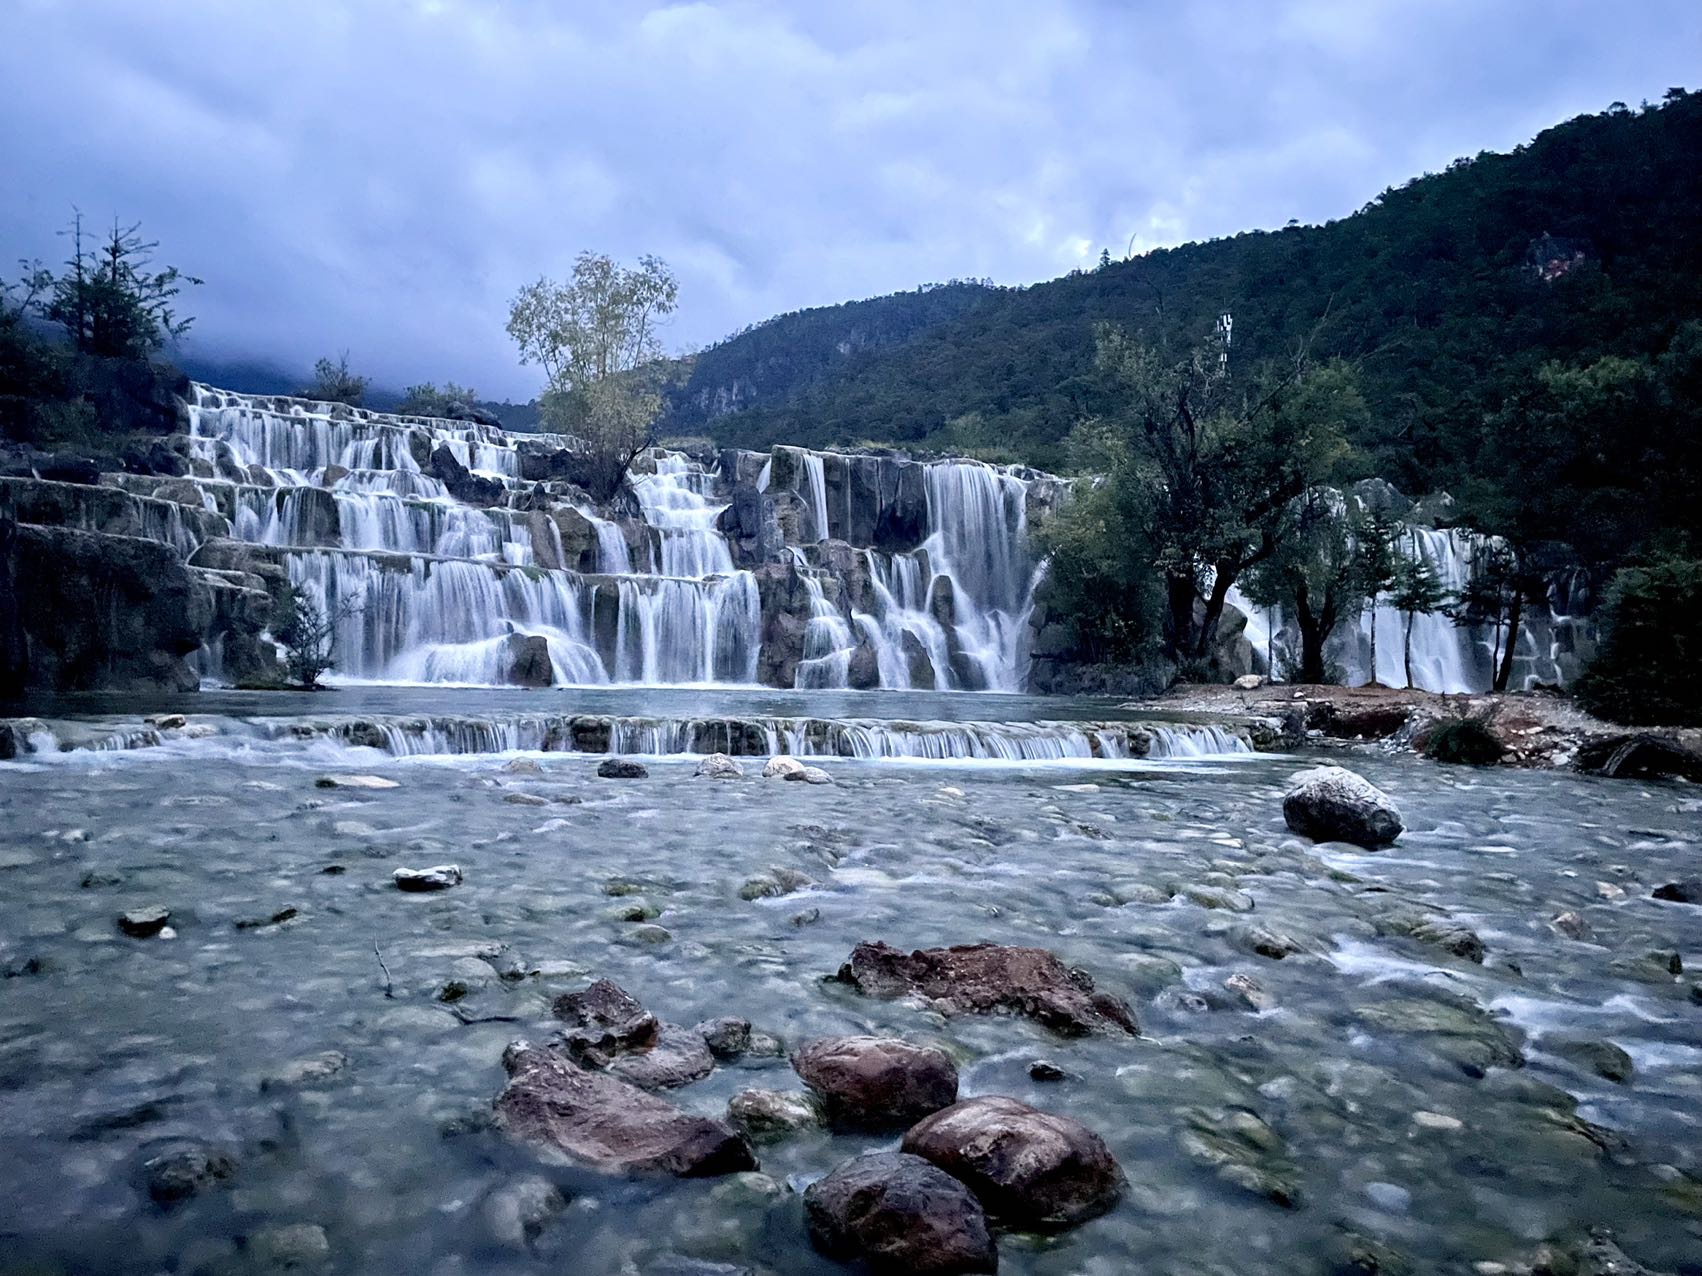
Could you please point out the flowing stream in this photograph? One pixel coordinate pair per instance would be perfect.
(1402, 1100)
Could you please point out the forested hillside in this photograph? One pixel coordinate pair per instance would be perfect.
(1449, 293)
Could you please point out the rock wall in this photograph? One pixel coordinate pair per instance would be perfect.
(84, 611)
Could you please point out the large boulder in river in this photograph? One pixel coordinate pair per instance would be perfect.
(990, 979)
(1331, 804)
(528, 659)
(901, 1216)
(1031, 1169)
(591, 1118)
(876, 1082)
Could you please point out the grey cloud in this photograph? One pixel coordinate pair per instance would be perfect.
(383, 176)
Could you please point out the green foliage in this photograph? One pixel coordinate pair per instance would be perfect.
(1651, 638)
(1101, 580)
(427, 400)
(106, 298)
(335, 382)
(1416, 591)
(1466, 740)
(596, 338)
(308, 636)
(1312, 573)
(1475, 303)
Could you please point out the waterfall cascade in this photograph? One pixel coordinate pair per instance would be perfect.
(448, 551)
(1446, 656)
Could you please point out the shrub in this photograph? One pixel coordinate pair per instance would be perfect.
(1465, 740)
(1643, 673)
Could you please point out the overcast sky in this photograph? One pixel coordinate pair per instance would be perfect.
(382, 175)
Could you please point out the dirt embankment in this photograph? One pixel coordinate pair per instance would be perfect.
(1537, 729)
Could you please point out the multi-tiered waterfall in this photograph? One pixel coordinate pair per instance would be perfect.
(449, 551)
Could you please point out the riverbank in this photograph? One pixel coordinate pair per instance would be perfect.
(1541, 730)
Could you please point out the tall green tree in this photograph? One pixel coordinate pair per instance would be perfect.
(1416, 592)
(1221, 454)
(1374, 532)
(335, 382)
(1311, 576)
(107, 297)
(596, 338)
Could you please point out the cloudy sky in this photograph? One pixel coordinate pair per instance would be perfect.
(382, 175)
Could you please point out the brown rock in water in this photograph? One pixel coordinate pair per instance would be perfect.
(599, 1121)
(1028, 1167)
(678, 1057)
(988, 979)
(876, 1082)
(604, 1019)
(901, 1216)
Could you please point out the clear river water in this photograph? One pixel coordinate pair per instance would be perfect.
(1370, 1093)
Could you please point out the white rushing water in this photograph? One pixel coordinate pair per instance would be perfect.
(423, 586)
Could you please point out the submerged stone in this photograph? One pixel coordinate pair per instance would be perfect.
(354, 782)
(600, 1121)
(901, 1216)
(991, 978)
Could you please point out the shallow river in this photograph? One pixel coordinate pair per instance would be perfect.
(1370, 1094)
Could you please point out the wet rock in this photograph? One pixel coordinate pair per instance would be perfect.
(876, 1082)
(525, 799)
(677, 1057)
(298, 1247)
(186, 1170)
(809, 775)
(354, 782)
(622, 769)
(1244, 1151)
(638, 910)
(1659, 966)
(522, 766)
(1640, 756)
(647, 934)
(1028, 1168)
(1571, 925)
(313, 1070)
(1688, 891)
(598, 1120)
(718, 766)
(766, 1115)
(773, 884)
(1450, 936)
(517, 1212)
(1601, 1057)
(987, 979)
(1250, 682)
(143, 923)
(1249, 991)
(1232, 901)
(901, 1216)
(1261, 941)
(439, 877)
(99, 877)
(286, 914)
(1453, 1026)
(603, 1020)
(1046, 1070)
(1331, 804)
(781, 767)
(727, 1037)
(168, 721)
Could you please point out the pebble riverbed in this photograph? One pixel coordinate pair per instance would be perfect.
(1368, 1094)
